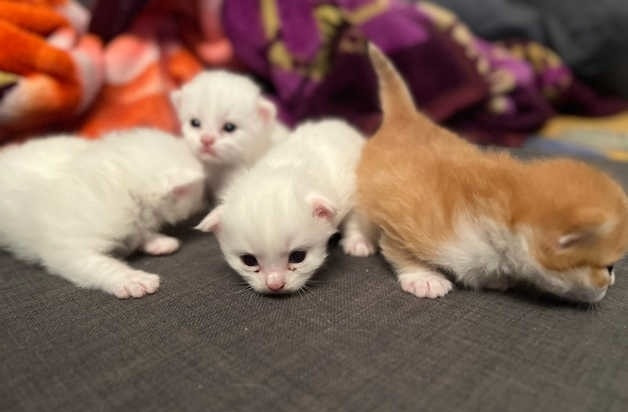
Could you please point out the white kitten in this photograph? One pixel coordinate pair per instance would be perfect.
(227, 122)
(275, 220)
(68, 203)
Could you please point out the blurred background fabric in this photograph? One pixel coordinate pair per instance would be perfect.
(499, 72)
(590, 36)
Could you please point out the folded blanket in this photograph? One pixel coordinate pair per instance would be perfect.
(309, 56)
(590, 36)
(605, 137)
(49, 71)
(312, 54)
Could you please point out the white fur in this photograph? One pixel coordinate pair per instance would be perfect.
(293, 199)
(485, 254)
(68, 203)
(214, 98)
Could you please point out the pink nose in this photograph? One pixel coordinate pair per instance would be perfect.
(207, 140)
(276, 288)
(275, 282)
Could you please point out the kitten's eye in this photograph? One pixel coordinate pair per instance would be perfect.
(297, 256)
(249, 260)
(609, 268)
(194, 122)
(229, 127)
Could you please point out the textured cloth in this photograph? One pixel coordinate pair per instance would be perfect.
(602, 137)
(154, 47)
(50, 71)
(591, 36)
(312, 56)
(354, 342)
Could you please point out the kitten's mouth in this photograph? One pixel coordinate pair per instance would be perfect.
(208, 150)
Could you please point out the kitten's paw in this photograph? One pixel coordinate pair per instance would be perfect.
(161, 245)
(357, 245)
(425, 284)
(136, 284)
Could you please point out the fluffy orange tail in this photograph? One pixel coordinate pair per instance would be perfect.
(394, 96)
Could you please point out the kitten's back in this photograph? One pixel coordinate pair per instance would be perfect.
(322, 154)
(85, 193)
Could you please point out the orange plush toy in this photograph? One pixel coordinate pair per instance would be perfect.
(49, 70)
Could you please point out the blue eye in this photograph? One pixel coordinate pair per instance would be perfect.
(229, 127)
(194, 122)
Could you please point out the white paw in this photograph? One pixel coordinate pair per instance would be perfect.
(136, 284)
(425, 284)
(161, 245)
(357, 245)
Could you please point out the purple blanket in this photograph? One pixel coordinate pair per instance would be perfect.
(312, 54)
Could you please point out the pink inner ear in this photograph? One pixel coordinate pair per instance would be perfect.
(266, 110)
(181, 191)
(323, 212)
(211, 222)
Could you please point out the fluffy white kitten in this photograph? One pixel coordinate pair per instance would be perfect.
(275, 220)
(68, 204)
(227, 122)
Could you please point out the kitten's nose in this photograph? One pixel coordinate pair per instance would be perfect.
(275, 282)
(207, 140)
(276, 288)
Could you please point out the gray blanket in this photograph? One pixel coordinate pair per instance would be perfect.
(353, 342)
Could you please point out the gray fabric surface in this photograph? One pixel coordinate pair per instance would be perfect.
(353, 342)
(590, 36)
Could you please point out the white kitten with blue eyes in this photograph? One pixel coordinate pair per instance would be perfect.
(227, 123)
(274, 220)
(69, 204)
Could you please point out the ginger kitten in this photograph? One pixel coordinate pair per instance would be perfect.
(486, 218)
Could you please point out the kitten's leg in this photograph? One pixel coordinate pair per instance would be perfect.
(158, 244)
(359, 236)
(414, 276)
(97, 271)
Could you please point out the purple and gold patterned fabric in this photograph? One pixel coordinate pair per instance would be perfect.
(312, 56)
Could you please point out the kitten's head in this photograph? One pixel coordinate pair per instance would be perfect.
(275, 239)
(224, 118)
(581, 232)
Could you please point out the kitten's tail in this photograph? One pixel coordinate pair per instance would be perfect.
(394, 95)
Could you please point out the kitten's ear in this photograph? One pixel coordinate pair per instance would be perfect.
(211, 222)
(182, 190)
(179, 183)
(266, 110)
(322, 208)
(175, 99)
(587, 225)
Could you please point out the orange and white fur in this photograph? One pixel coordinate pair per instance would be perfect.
(484, 217)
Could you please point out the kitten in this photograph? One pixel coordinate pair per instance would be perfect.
(227, 123)
(68, 204)
(274, 221)
(486, 218)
